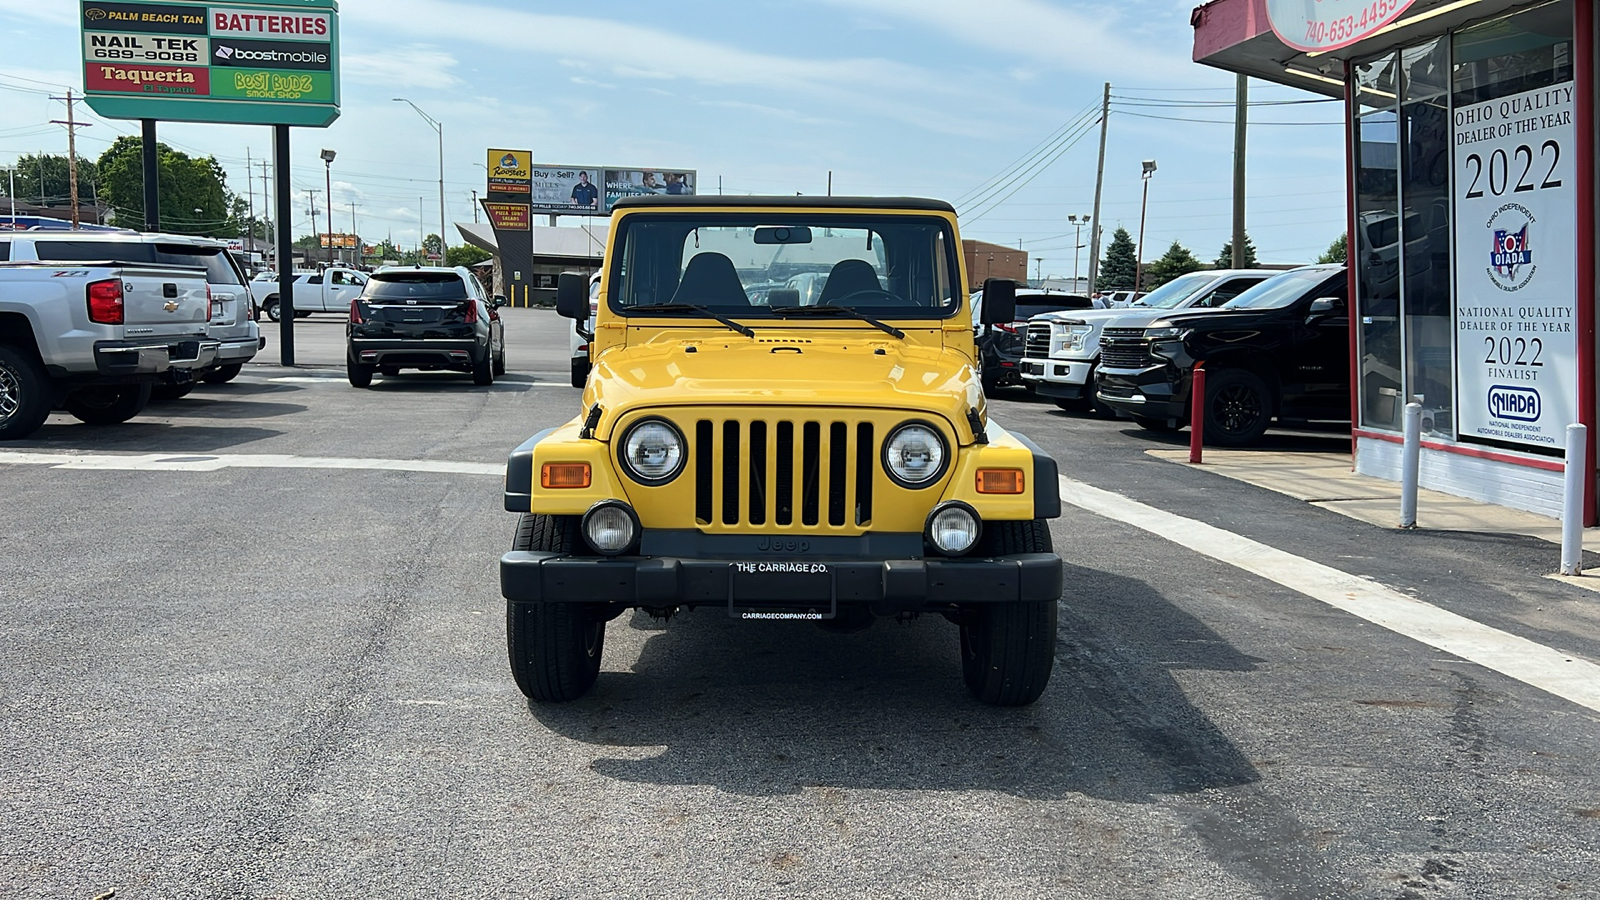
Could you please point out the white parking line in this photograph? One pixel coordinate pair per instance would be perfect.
(204, 462)
(1533, 664)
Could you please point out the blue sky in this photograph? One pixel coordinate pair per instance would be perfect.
(923, 97)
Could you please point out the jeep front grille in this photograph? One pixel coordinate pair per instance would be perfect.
(1124, 348)
(1038, 346)
(793, 474)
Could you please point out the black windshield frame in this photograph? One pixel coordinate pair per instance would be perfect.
(685, 223)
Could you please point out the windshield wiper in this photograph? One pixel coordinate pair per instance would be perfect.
(787, 311)
(701, 310)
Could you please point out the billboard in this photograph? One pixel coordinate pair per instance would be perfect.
(338, 241)
(641, 182)
(510, 174)
(569, 190)
(266, 62)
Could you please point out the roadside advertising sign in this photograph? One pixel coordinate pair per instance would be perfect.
(638, 182)
(262, 62)
(569, 190)
(338, 241)
(1316, 25)
(508, 216)
(510, 173)
(1516, 209)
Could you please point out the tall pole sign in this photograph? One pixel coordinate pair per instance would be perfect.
(261, 62)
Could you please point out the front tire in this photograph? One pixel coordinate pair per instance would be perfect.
(1238, 407)
(273, 309)
(555, 648)
(108, 404)
(25, 396)
(223, 374)
(1009, 649)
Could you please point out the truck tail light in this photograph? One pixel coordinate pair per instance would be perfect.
(213, 307)
(105, 301)
(1000, 481)
(355, 312)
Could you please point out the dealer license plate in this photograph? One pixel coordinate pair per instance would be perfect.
(781, 590)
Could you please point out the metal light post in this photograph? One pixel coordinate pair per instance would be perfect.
(1138, 268)
(1077, 244)
(439, 127)
(327, 162)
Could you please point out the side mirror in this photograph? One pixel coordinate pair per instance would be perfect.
(1323, 306)
(500, 300)
(999, 301)
(572, 295)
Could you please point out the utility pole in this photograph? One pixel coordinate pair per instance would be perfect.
(830, 182)
(72, 155)
(250, 187)
(266, 206)
(1241, 107)
(474, 206)
(311, 197)
(1099, 182)
(356, 235)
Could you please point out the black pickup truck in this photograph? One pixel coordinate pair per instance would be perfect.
(1280, 350)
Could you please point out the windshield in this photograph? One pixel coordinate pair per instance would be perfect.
(746, 264)
(219, 268)
(1173, 293)
(1280, 290)
(414, 286)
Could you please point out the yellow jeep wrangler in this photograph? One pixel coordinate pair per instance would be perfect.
(783, 420)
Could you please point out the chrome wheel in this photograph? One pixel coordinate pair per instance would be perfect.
(10, 395)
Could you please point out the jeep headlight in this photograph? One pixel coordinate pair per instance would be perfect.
(914, 455)
(1165, 331)
(652, 452)
(1073, 338)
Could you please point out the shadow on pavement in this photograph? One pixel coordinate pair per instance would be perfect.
(434, 382)
(140, 436)
(235, 389)
(779, 707)
(199, 406)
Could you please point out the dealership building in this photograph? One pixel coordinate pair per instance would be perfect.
(1471, 191)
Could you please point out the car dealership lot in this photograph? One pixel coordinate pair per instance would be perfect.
(335, 716)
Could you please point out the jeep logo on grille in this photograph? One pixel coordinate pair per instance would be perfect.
(782, 545)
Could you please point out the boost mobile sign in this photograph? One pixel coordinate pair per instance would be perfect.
(1516, 268)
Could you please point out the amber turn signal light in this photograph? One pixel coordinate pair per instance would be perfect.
(1000, 481)
(564, 475)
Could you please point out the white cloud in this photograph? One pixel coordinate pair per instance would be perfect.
(413, 66)
(55, 13)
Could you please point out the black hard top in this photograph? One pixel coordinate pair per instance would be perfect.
(714, 201)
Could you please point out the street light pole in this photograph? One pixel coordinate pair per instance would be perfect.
(439, 127)
(1138, 268)
(1077, 244)
(327, 162)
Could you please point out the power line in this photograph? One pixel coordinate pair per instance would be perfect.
(1026, 158)
(1085, 126)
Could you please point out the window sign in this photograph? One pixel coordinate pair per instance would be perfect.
(1516, 268)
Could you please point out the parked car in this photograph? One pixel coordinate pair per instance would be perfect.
(424, 318)
(232, 321)
(1001, 346)
(580, 344)
(95, 338)
(330, 290)
(1062, 350)
(1279, 351)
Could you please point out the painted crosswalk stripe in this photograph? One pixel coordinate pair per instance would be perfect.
(1545, 668)
(205, 462)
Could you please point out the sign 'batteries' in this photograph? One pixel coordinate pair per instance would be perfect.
(263, 62)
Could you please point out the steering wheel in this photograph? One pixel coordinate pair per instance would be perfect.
(875, 292)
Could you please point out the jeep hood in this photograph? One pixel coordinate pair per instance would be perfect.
(817, 370)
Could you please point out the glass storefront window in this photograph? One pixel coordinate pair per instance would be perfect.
(1425, 235)
(1526, 50)
(1374, 249)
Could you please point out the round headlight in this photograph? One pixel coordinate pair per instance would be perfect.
(953, 528)
(914, 455)
(610, 527)
(652, 452)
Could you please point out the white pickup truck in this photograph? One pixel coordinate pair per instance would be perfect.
(330, 290)
(93, 338)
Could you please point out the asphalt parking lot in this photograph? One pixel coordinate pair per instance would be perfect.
(255, 648)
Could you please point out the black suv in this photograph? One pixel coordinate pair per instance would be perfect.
(1001, 346)
(424, 318)
(1280, 350)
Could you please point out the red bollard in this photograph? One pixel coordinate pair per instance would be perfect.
(1197, 412)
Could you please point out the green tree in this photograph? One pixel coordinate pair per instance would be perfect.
(1225, 258)
(1336, 252)
(194, 192)
(1177, 261)
(1120, 263)
(433, 245)
(45, 179)
(465, 255)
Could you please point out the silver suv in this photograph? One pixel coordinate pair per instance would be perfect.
(231, 324)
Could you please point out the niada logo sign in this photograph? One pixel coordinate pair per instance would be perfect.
(1511, 257)
(1515, 403)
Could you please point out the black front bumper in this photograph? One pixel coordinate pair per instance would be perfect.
(1158, 392)
(809, 588)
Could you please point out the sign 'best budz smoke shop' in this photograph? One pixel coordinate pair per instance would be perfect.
(268, 62)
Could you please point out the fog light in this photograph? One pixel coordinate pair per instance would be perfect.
(610, 527)
(953, 528)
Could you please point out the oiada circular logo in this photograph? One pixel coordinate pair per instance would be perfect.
(1511, 253)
